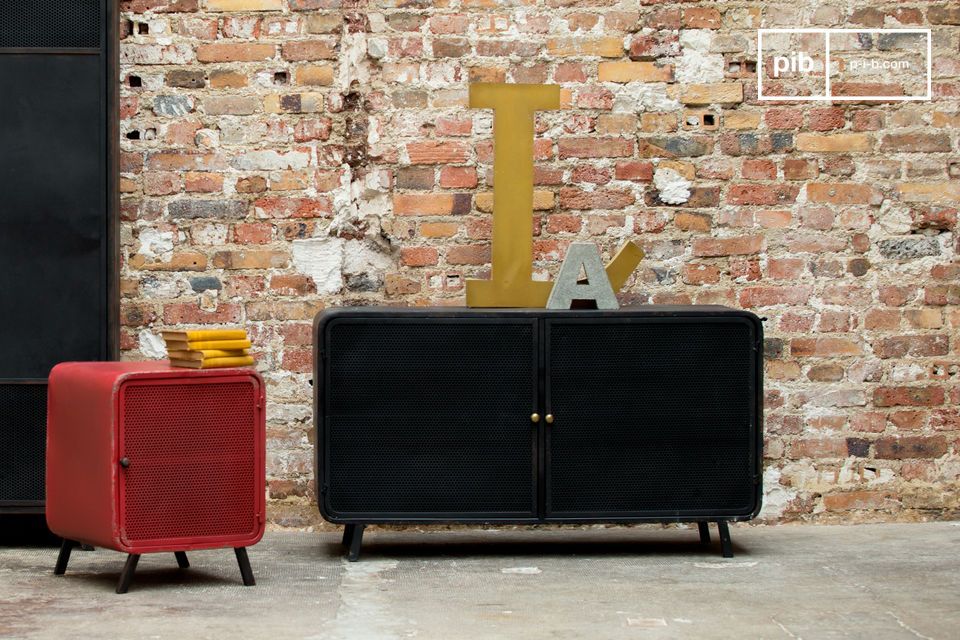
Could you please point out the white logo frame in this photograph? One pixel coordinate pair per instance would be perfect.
(831, 98)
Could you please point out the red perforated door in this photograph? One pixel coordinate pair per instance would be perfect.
(192, 450)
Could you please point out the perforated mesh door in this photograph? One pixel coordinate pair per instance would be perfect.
(193, 460)
(651, 418)
(430, 417)
(62, 24)
(23, 433)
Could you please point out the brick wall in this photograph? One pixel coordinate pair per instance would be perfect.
(282, 156)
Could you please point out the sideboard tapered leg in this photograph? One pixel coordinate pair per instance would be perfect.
(356, 537)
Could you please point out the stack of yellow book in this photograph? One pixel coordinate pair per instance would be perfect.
(208, 348)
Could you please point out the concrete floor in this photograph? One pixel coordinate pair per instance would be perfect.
(867, 581)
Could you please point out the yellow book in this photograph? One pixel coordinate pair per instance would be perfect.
(214, 363)
(206, 354)
(203, 345)
(201, 335)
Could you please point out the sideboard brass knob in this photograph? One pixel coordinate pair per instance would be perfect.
(549, 418)
(534, 417)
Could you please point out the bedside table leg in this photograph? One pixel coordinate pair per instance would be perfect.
(63, 559)
(704, 528)
(356, 537)
(245, 571)
(126, 576)
(182, 561)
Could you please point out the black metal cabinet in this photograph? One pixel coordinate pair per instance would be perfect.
(524, 416)
(58, 241)
(428, 418)
(650, 417)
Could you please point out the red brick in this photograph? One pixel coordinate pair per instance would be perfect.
(309, 129)
(229, 52)
(758, 170)
(881, 319)
(570, 72)
(449, 24)
(762, 194)
(571, 198)
(799, 169)
(867, 120)
(159, 6)
(908, 420)
(251, 259)
(191, 313)
(251, 184)
(945, 420)
(666, 18)
(458, 177)
(439, 229)
(634, 171)
(688, 221)
(842, 193)
(418, 256)
(701, 18)
(912, 346)
(783, 118)
(819, 448)
(942, 294)
(911, 447)
(468, 254)
(454, 126)
(435, 152)
(770, 296)
(292, 285)
(858, 500)
(701, 273)
(590, 174)
(908, 396)
(785, 268)
(914, 142)
(897, 295)
(740, 245)
(297, 359)
(869, 422)
(274, 207)
(202, 182)
(824, 347)
(561, 223)
(774, 219)
(826, 119)
(431, 204)
(814, 217)
(650, 46)
(317, 48)
(160, 183)
(595, 148)
(252, 233)
(397, 285)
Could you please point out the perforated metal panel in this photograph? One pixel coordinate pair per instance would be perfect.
(61, 24)
(23, 432)
(192, 453)
(53, 176)
(652, 418)
(430, 417)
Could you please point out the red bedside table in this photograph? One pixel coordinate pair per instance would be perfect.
(143, 458)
